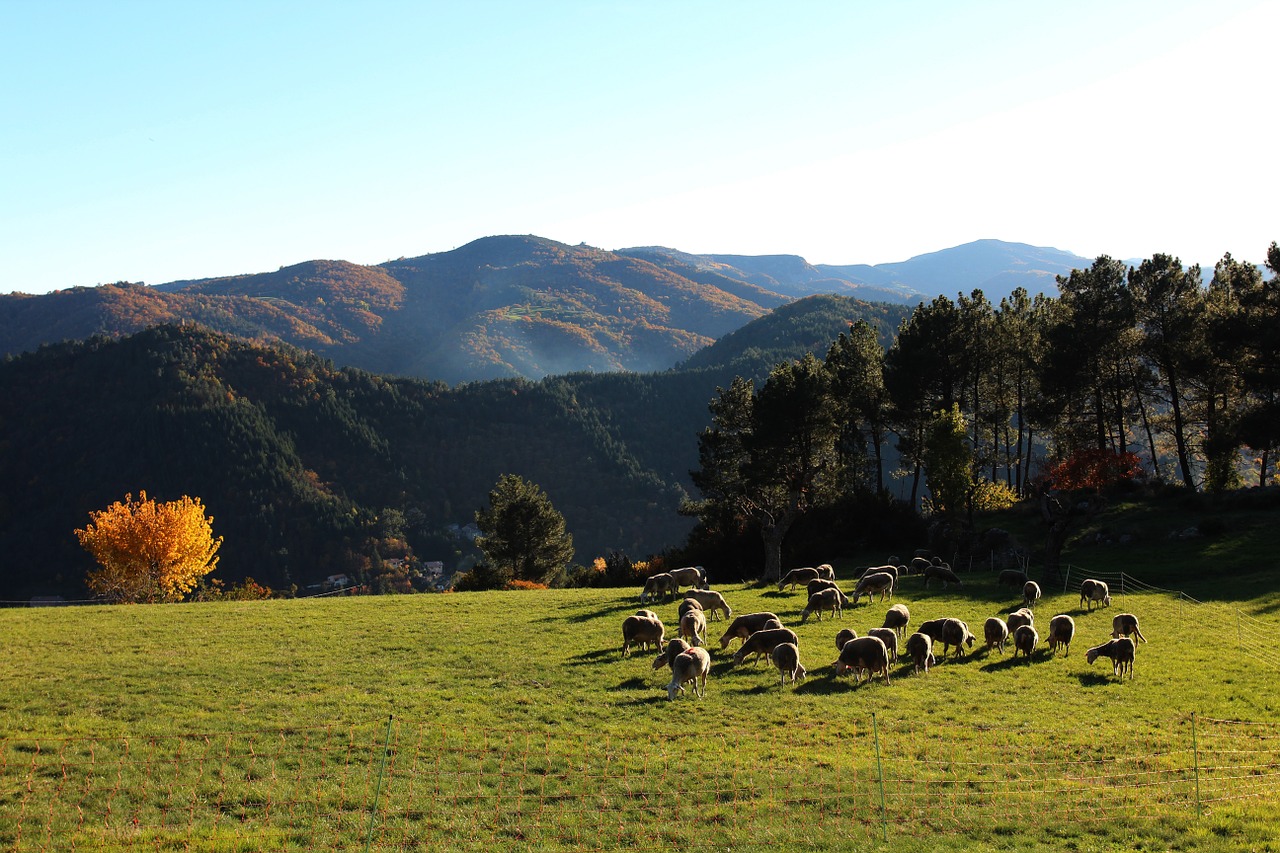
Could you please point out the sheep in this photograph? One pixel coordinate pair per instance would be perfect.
(1012, 577)
(887, 569)
(693, 625)
(1018, 618)
(786, 657)
(667, 655)
(692, 665)
(641, 630)
(942, 573)
(1126, 624)
(1061, 629)
(826, 572)
(890, 639)
(897, 617)
(863, 654)
(711, 602)
(920, 647)
(956, 633)
(827, 599)
(932, 628)
(660, 584)
(918, 565)
(843, 636)
(648, 614)
(996, 633)
(1121, 652)
(1094, 590)
(869, 585)
(691, 576)
(818, 584)
(797, 576)
(747, 624)
(1030, 593)
(1025, 640)
(763, 642)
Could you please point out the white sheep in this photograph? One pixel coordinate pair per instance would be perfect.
(897, 618)
(688, 604)
(888, 569)
(762, 643)
(641, 630)
(1061, 629)
(711, 601)
(825, 599)
(956, 633)
(920, 648)
(667, 655)
(996, 633)
(818, 584)
(942, 573)
(826, 572)
(660, 584)
(863, 654)
(1125, 624)
(890, 639)
(1025, 640)
(932, 628)
(693, 576)
(798, 576)
(1030, 593)
(745, 625)
(1018, 618)
(918, 565)
(1120, 651)
(786, 657)
(843, 636)
(870, 584)
(693, 625)
(1092, 590)
(648, 614)
(692, 665)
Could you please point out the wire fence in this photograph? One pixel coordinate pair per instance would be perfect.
(403, 786)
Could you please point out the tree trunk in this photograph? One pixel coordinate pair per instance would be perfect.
(772, 532)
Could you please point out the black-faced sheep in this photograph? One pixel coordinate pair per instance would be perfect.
(692, 576)
(920, 648)
(1125, 624)
(890, 639)
(897, 617)
(1030, 593)
(660, 584)
(1061, 629)
(870, 584)
(745, 625)
(712, 602)
(1120, 651)
(798, 576)
(786, 657)
(843, 636)
(641, 630)
(762, 643)
(823, 600)
(1092, 590)
(941, 573)
(996, 633)
(956, 633)
(1025, 640)
(863, 654)
(692, 665)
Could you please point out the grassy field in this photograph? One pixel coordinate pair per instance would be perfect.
(513, 721)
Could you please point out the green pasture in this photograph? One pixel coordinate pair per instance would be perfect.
(510, 719)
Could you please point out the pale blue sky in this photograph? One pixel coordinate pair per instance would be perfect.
(154, 141)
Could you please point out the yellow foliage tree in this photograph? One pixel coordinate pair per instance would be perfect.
(149, 551)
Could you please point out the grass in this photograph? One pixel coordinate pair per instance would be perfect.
(515, 722)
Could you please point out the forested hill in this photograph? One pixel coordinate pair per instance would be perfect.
(311, 470)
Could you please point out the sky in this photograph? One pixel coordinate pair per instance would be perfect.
(159, 141)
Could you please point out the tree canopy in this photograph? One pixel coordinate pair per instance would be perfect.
(521, 534)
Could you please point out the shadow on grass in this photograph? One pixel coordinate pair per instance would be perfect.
(1094, 679)
(1009, 663)
(597, 657)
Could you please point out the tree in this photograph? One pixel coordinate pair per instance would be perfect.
(856, 364)
(522, 534)
(149, 551)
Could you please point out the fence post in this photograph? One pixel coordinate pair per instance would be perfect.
(884, 817)
(377, 794)
(1195, 752)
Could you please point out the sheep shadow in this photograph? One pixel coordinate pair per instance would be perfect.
(1094, 679)
(1008, 662)
(596, 658)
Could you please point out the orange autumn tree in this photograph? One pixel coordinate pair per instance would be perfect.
(149, 551)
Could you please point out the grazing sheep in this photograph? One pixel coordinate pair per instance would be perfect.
(996, 633)
(688, 604)
(1012, 577)
(897, 618)
(1126, 624)
(825, 599)
(932, 628)
(1120, 651)
(711, 602)
(648, 614)
(818, 584)
(1025, 640)
(762, 643)
(887, 569)
(660, 584)
(692, 576)
(786, 657)
(956, 633)
(1018, 618)
(747, 624)
(890, 639)
(920, 648)
(641, 630)
(667, 655)
(918, 565)
(1061, 629)
(863, 654)
(869, 585)
(1030, 593)
(1094, 590)
(797, 576)
(826, 572)
(843, 636)
(942, 573)
(694, 626)
(692, 665)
